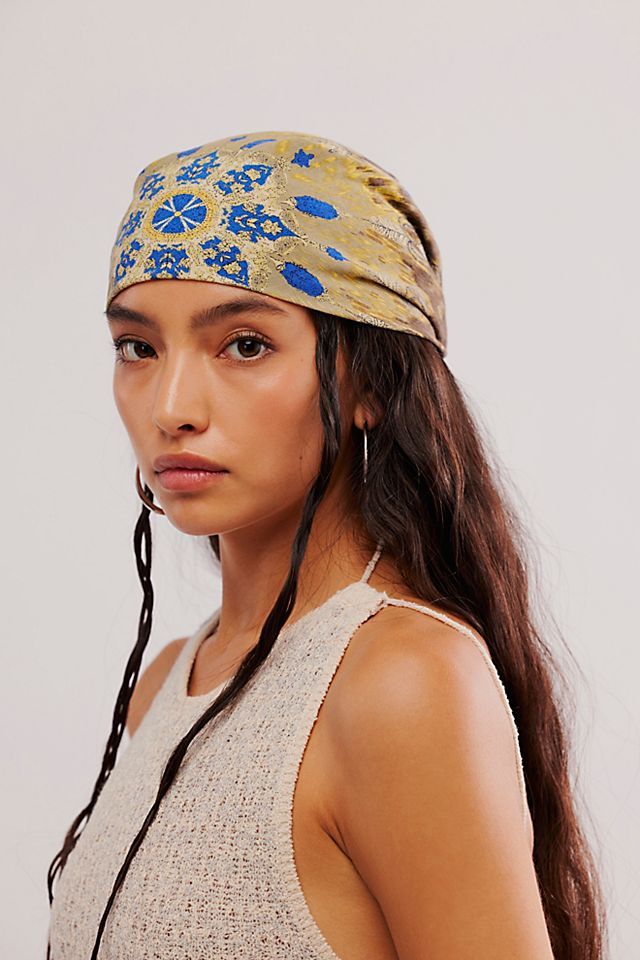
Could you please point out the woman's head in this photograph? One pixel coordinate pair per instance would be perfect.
(298, 224)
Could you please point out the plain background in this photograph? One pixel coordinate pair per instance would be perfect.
(514, 127)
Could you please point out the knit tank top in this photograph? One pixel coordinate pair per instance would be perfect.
(215, 875)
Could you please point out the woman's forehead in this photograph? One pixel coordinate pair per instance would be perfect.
(171, 291)
(200, 304)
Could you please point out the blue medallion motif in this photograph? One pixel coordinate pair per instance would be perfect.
(168, 262)
(151, 185)
(296, 276)
(302, 158)
(335, 253)
(179, 213)
(252, 175)
(198, 169)
(315, 207)
(257, 224)
(127, 260)
(227, 262)
(130, 225)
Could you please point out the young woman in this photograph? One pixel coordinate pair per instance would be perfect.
(360, 754)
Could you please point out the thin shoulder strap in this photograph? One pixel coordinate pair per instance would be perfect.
(370, 566)
(494, 673)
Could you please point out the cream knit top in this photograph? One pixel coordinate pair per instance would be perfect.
(215, 876)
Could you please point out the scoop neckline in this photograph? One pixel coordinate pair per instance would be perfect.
(212, 622)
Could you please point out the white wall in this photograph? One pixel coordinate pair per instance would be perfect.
(514, 126)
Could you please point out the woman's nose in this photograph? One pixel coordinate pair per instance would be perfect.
(180, 397)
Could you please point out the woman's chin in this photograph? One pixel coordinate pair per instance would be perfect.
(197, 520)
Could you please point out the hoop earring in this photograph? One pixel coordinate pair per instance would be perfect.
(142, 495)
(366, 450)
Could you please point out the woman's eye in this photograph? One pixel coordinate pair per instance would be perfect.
(122, 356)
(247, 347)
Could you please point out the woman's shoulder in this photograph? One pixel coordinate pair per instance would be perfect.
(150, 681)
(417, 689)
(405, 668)
(409, 616)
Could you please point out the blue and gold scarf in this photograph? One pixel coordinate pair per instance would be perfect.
(291, 215)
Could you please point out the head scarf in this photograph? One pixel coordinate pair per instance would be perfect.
(291, 215)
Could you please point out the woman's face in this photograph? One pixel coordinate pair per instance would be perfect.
(227, 374)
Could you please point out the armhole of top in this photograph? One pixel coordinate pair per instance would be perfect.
(438, 615)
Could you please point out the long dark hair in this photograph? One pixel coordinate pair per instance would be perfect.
(436, 502)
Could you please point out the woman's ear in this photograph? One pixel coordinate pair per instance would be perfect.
(369, 412)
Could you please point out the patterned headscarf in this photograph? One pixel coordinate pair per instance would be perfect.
(291, 215)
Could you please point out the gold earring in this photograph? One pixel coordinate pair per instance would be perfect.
(142, 495)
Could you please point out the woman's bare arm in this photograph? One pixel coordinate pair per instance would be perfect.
(429, 806)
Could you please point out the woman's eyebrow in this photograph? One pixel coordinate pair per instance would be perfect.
(206, 317)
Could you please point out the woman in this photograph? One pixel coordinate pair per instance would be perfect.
(359, 754)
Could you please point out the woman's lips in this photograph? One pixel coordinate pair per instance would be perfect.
(183, 479)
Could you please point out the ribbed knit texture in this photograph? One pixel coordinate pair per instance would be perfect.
(215, 878)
